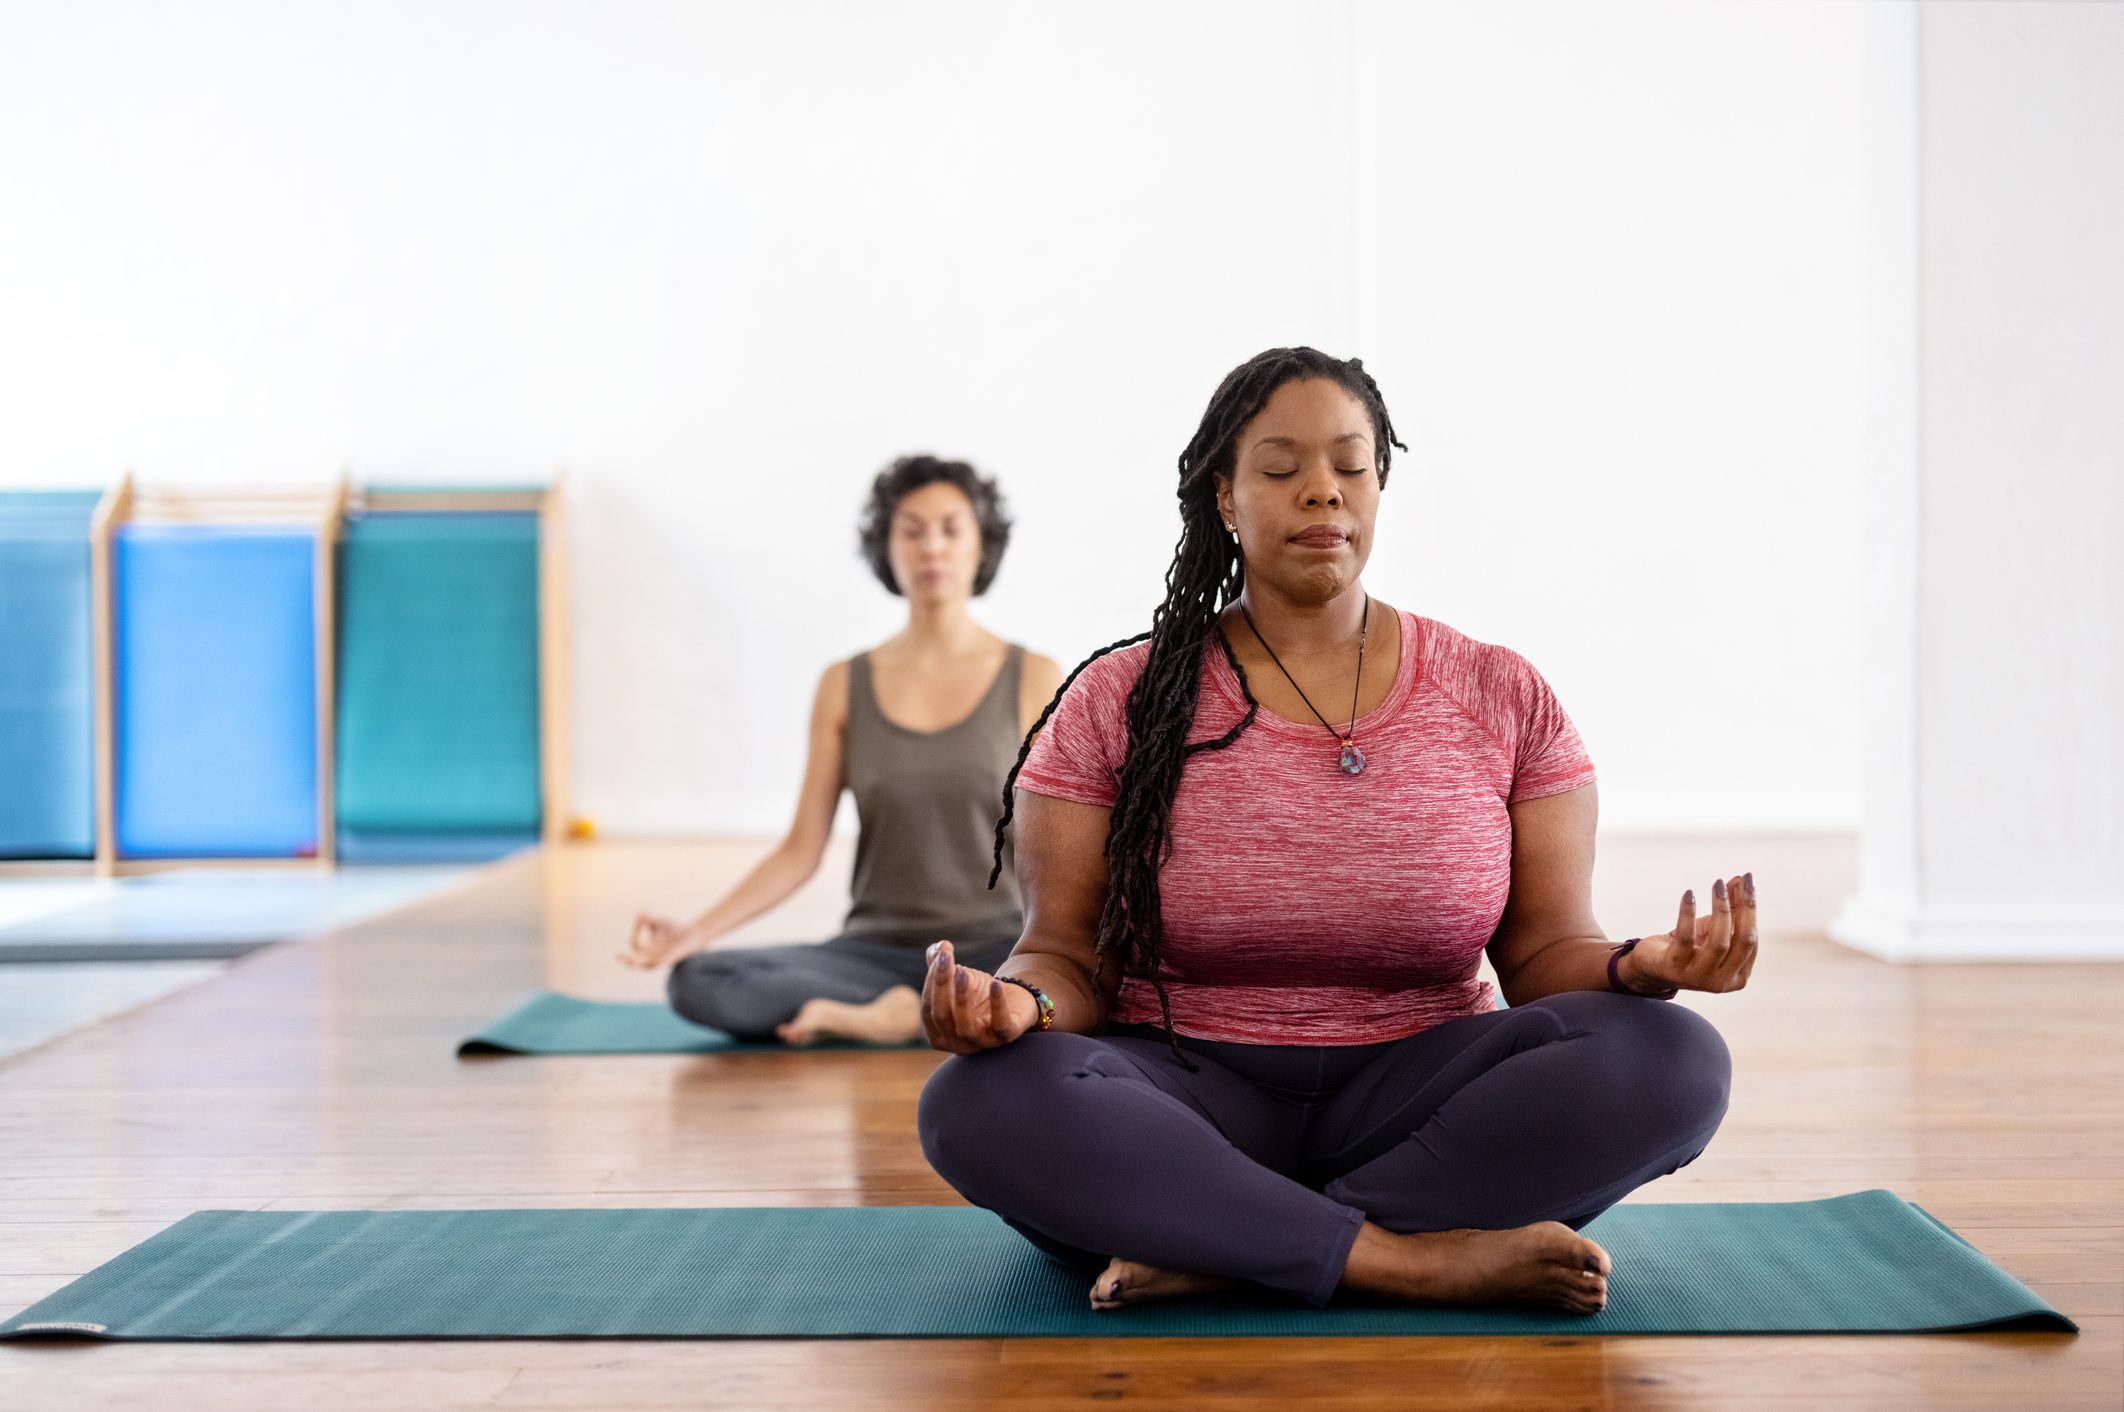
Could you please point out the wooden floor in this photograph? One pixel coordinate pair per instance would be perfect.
(320, 1074)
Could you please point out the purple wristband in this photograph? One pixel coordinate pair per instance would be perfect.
(1615, 974)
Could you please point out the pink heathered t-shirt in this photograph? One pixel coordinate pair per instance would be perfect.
(1306, 906)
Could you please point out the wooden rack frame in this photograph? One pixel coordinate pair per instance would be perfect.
(316, 510)
(321, 510)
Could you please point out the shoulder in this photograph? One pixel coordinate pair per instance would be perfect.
(1095, 707)
(1107, 680)
(830, 699)
(1468, 669)
(1038, 677)
(1040, 668)
(1078, 754)
(1492, 685)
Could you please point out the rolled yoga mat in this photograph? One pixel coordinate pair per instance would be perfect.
(216, 676)
(1865, 1263)
(438, 727)
(546, 1022)
(47, 692)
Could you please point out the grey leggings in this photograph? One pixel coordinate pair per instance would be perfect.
(1264, 1164)
(747, 992)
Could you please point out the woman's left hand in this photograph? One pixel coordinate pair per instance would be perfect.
(1713, 953)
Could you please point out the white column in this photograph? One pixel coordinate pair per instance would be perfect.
(1993, 823)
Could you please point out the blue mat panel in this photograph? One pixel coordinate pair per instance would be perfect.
(215, 650)
(438, 713)
(47, 690)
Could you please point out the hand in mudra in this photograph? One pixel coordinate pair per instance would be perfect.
(1714, 952)
(965, 1011)
(655, 940)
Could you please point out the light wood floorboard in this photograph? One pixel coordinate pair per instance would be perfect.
(320, 1074)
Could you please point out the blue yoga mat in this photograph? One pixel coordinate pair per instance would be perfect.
(1865, 1263)
(438, 713)
(546, 1022)
(216, 692)
(219, 912)
(47, 689)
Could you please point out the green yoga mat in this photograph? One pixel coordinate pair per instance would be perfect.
(1866, 1263)
(437, 731)
(550, 1023)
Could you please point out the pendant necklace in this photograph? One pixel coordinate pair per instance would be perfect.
(1352, 762)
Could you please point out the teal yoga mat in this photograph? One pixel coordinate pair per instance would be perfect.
(546, 1022)
(1866, 1263)
(437, 729)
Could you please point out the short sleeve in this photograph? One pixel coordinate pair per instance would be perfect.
(1078, 754)
(1548, 757)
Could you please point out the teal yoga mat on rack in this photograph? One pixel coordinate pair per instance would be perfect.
(546, 1022)
(47, 686)
(438, 710)
(1864, 1263)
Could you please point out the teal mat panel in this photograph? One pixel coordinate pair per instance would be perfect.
(546, 1022)
(47, 691)
(1866, 1263)
(216, 691)
(438, 677)
(360, 846)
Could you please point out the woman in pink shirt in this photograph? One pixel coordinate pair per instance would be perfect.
(1262, 849)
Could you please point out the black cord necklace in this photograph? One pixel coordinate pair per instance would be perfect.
(1352, 762)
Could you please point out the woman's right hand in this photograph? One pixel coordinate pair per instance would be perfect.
(965, 1011)
(656, 940)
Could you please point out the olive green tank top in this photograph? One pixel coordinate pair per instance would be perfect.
(928, 802)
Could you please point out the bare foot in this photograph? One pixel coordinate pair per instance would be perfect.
(893, 1018)
(1126, 1282)
(1546, 1264)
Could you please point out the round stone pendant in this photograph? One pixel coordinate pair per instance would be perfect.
(1352, 758)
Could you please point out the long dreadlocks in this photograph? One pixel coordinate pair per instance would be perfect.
(1206, 575)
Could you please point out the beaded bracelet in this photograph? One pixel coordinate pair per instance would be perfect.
(1047, 1007)
(1615, 974)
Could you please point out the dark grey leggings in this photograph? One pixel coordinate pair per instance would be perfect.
(748, 991)
(1264, 1164)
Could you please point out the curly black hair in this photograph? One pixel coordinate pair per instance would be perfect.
(911, 473)
(1206, 575)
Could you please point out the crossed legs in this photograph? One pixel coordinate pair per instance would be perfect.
(1103, 1149)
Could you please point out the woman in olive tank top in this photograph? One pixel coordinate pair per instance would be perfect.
(922, 730)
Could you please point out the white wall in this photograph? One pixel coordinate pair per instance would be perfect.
(1887, 604)
(1997, 828)
(1609, 263)
(1619, 297)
